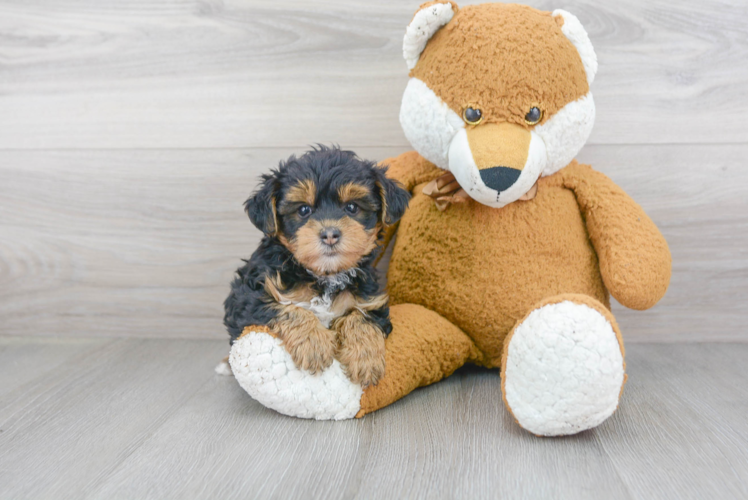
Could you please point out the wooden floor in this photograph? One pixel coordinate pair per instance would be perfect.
(131, 131)
(148, 418)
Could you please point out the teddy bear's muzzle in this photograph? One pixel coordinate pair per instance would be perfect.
(497, 163)
(500, 152)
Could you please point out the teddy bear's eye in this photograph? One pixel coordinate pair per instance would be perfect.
(472, 116)
(533, 116)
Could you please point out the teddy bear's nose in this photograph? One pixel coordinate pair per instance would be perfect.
(499, 178)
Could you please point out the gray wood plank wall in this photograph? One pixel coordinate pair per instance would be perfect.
(132, 131)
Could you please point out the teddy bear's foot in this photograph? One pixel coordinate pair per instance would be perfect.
(264, 369)
(563, 369)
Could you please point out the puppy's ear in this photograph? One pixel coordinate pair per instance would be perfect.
(261, 206)
(394, 197)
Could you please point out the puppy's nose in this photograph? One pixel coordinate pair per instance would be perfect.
(330, 235)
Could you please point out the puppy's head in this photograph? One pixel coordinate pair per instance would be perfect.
(328, 207)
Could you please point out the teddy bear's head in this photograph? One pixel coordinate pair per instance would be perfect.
(499, 94)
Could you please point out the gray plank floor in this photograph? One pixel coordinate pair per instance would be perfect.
(147, 418)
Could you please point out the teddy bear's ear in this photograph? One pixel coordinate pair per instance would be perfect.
(428, 19)
(573, 30)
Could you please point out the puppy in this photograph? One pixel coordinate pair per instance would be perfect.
(312, 279)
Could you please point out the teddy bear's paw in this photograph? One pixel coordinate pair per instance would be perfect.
(266, 371)
(564, 370)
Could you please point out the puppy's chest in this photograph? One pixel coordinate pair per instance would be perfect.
(327, 307)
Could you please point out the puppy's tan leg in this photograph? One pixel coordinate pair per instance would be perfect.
(310, 344)
(360, 348)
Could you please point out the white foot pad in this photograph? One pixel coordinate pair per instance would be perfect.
(564, 370)
(266, 371)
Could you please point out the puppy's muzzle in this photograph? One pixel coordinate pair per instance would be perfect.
(330, 236)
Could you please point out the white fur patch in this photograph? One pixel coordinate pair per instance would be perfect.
(223, 368)
(462, 165)
(564, 370)
(575, 32)
(566, 132)
(266, 371)
(428, 123)
(320, 306)
(425, 23)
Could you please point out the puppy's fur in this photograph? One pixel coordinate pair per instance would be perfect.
(312, 279)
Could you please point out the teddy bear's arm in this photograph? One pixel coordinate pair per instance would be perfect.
(409, 169)
(635, 260)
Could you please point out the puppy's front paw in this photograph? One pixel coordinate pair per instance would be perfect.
(360, 349)
(312, 350)
(363, 366)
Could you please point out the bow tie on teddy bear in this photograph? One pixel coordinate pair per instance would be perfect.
(445, 190)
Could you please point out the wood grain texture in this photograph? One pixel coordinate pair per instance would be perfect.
(681, 423)
(244, 73)
(124, 243)
(149, 419)
(23, 360)
(144, 243)
(70, 427)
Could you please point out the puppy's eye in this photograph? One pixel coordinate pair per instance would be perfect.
(304, 211)
(351, 208)
(472, 116)
(533, 116)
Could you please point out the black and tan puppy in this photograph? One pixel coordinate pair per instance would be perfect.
(312, 279)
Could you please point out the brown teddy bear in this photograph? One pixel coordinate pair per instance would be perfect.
(510, 248)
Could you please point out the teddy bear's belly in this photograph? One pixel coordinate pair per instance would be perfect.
(484, 268)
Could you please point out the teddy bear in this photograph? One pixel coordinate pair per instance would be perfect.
(510, 249)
